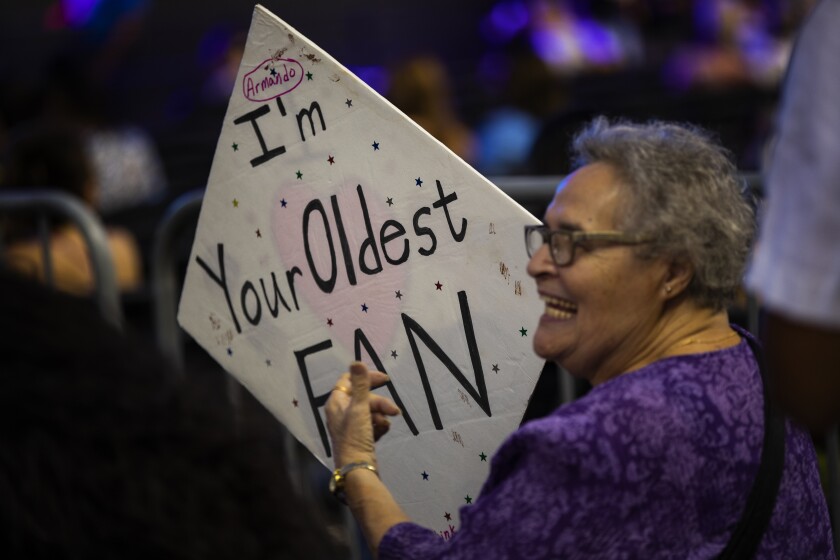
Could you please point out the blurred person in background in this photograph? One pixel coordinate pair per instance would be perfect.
(420, 88)
(105, 452)
(50, 155)
(795, 270)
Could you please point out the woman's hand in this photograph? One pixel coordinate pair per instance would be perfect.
(356, 418)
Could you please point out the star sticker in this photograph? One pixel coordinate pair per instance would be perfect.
(230, 352)
(268, 363)
(394, 354)
(330, 322)
(235, 203)
(447, 515)
(235, 147)
(438, 285)
(523, 331)
(483, 456)
(398, 294)
(349, 102)
(468, 499)
(418, 182)
(295, 402)
(283, 202)
(299, 174)
(425, 475)
(273, 72)
(364, 307)
(309, 75)
(390, 201)
(375, 145)
(495, 368)
(331, 160)
(259, 234)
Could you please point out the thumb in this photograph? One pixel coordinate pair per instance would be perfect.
(360, 381)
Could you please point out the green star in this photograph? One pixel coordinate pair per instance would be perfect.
(309, 75)
(235, 203)
(299, 174)
(523, 331)
(483, 456)
(235, 147)
(468, 499)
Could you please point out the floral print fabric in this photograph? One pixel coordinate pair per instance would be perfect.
(656, 463)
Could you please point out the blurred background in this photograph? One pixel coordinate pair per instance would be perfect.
(120, 103)
(504, 83)
(510, 77)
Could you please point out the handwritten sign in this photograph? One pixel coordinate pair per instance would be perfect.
(334, 229)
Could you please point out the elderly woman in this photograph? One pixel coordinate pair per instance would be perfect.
(642, 248)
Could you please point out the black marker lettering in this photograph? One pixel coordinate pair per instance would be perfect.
(278, 297)
(320, 400)
(221, 280)
(384, 238)
(370, 241)
(248, 287)
(326, 286)
(424, 231)
(479, 393)
(252, 117)
(443, 201)
(308, 113)
(361, 340)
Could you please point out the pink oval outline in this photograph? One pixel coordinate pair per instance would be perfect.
(259, 67)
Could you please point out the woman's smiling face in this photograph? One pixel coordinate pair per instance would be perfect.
(602, 309)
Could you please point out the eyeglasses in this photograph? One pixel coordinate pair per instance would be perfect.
(562, 242)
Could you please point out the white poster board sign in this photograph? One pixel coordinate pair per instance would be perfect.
(333, 228)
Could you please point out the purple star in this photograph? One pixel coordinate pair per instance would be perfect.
(283, 202)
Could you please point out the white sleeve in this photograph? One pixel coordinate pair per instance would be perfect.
(796, 264)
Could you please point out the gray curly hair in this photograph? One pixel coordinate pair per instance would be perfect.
(684, 194)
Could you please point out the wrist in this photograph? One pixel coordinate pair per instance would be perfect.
(343, 460)
(338, 480)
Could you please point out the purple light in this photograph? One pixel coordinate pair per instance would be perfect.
(374, 76)
(597, 44)
(505, 20)
(78, 12)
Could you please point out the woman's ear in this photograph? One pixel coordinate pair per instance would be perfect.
(677, 277)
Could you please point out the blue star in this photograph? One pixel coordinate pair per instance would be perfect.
(364, 307)
(273, 72)
(425, 475)
(230, 352)
(283, 202)
(418, 182)
(375, 145)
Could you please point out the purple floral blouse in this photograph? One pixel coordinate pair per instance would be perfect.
(656, 463)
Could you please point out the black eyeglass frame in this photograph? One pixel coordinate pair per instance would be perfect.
(576, 238)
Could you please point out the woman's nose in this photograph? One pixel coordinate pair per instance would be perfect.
(541, 262)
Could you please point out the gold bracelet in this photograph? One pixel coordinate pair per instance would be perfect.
(338, 478)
